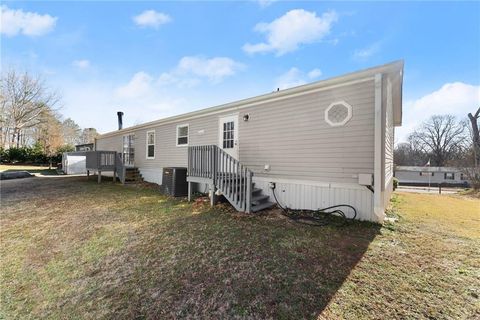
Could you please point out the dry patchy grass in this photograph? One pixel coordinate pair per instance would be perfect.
(75, 249)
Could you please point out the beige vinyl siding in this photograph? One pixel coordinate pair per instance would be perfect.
(293, 138)
(202, 131)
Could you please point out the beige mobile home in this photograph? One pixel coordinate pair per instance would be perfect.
(321, 144)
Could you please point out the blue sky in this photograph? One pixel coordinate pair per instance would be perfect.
(155, 59)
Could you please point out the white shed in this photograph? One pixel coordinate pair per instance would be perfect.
(74, 163)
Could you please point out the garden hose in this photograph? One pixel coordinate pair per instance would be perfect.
(320, 217)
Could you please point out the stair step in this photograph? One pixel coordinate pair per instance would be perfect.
(256, 191)
(262, 206)
(256, 200)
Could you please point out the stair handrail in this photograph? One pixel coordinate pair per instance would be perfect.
(229, 175)
(120, 168)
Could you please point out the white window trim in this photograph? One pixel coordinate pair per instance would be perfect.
(188, 135)
(147, 144)
(349, 113)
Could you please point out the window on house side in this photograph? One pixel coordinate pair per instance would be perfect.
(151, 145)
(182, 135)
(449, 176)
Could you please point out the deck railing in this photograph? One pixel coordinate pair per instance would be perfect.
(228, 174)
(105, 161)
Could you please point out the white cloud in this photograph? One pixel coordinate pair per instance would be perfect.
(191, 69)
(139, 86)
(287, 33)
(295, 77)
(101, 97)
(215, 69)
(365, 53)
(455, 98)
(315, 73)
(14, 22)
(152, 18)
(265, 3)
(81, 64)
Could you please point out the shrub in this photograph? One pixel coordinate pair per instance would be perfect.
(33, 154)
(395, 184)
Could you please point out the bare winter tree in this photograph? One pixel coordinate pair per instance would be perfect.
(23, 99)
(71, 132)
(441, 137)
(475, 135)
(88, 135)
(407, 154)
(469, 164)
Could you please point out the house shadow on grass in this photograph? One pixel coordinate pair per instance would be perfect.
(220, 264)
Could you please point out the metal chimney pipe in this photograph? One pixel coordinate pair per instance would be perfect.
(120, 120)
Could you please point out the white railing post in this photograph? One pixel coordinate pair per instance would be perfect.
(248, 201)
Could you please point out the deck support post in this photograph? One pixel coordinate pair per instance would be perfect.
(189, 191)
(114, 175)
(88, 174)
(213, 196)
(99, 176)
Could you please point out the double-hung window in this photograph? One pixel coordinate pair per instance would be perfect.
(151, 144)
(182, 135)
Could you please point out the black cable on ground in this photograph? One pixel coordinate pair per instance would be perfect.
(320, 217)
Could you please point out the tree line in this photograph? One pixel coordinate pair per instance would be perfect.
(30, 121)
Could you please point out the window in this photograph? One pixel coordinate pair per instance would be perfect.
(128, 149)
(449, 176)
(463, 176)
(182, 135)
(338, 113)
(150, 144)
(228, 134)
(423, 173)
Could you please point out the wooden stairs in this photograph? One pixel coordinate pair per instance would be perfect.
(133, 175)
(227, 176)
(233, 192)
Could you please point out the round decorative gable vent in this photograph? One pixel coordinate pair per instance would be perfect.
(338, 113)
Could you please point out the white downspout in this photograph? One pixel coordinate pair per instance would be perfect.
(378, 204)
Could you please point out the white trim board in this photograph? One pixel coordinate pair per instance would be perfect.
(378, 207)
(325, 184)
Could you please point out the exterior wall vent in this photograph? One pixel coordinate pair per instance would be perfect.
(338, 113)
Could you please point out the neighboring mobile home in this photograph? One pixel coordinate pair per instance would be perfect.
(433, 176)
(324, 143)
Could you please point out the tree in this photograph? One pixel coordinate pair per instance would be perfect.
(71, 132)
(407, 154)
(23, 99)
(49, 133)
(441, 137)
(88, 135)
(475, 136)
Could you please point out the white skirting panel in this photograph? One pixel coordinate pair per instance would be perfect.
(299, 194)
(152, 175)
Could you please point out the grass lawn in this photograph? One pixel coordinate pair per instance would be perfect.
(71, 248)
(37, 170)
